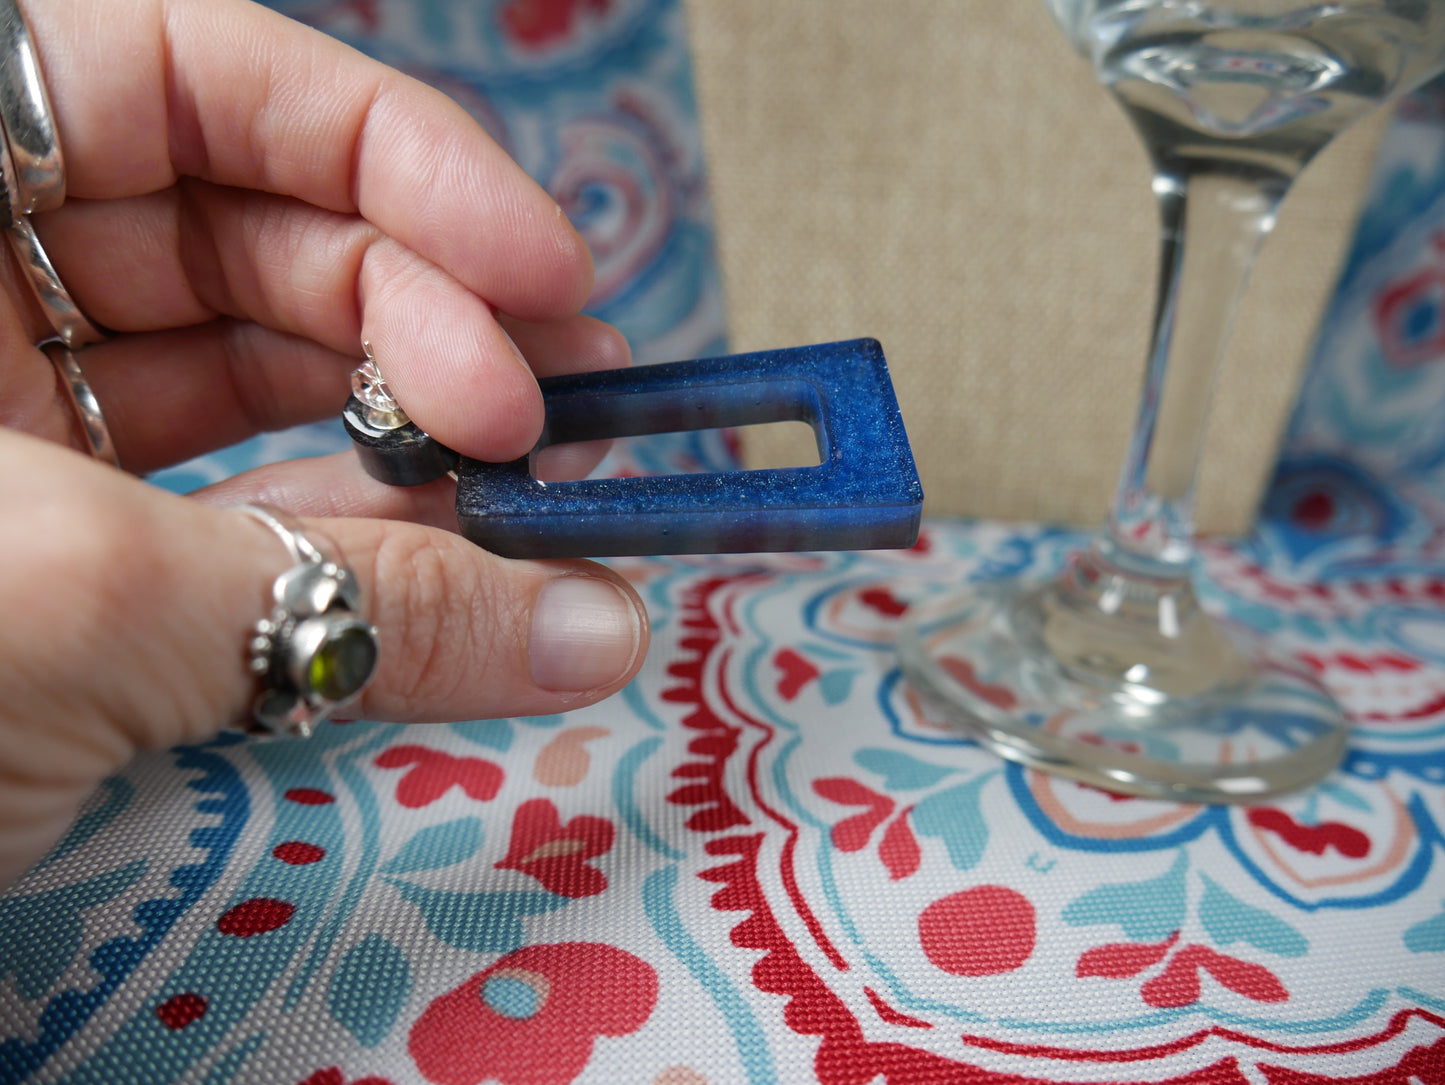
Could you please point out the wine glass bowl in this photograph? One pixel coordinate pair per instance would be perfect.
(1111, 672)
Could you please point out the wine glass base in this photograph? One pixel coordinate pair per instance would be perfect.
(1020, 671)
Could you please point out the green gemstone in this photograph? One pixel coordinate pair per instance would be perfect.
(343, 663)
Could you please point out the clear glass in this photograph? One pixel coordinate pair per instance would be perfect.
(1111, 673)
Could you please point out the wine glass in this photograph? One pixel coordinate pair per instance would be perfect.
(1111, 673)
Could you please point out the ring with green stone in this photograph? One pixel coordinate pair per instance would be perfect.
(315, 651)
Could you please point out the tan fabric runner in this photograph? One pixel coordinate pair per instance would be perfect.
(945, 175)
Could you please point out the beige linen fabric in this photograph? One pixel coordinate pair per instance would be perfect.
(946, 176)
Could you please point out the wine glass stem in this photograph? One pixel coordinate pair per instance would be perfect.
(1213, 220)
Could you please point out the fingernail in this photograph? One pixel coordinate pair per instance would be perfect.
(585, 634)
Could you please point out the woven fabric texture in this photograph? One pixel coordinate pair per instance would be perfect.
(764, 863)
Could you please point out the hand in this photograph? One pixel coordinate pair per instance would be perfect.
(247, 200)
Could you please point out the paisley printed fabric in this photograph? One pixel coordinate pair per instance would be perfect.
(1365, 453)
(762, 862)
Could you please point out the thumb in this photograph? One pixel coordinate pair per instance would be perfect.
(138, 607)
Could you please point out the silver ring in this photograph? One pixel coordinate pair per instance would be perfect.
(82, 400)
(72, 326)
(9, 188)
(393, 449)
(315, 651)
(27, 119)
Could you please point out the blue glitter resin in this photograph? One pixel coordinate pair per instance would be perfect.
(863, 495)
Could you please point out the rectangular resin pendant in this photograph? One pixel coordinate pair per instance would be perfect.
(864, 494)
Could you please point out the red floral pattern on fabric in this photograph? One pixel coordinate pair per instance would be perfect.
(533, 1017)
(898, 849)
(796, 671)
(1178, 984)
(845, 1057)
(434, 773)
(853, 833)
(1119, 960)
(556, 854)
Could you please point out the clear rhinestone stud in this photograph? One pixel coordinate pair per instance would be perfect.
(370, 388)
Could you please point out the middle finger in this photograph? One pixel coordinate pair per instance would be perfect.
(182, 256)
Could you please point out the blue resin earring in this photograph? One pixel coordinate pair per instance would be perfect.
(863, 495)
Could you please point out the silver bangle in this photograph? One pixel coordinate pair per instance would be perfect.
(27, 119)
(82, 400)
(315, 651)
(71, 325)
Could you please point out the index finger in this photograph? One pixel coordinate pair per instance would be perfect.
(236, 94)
